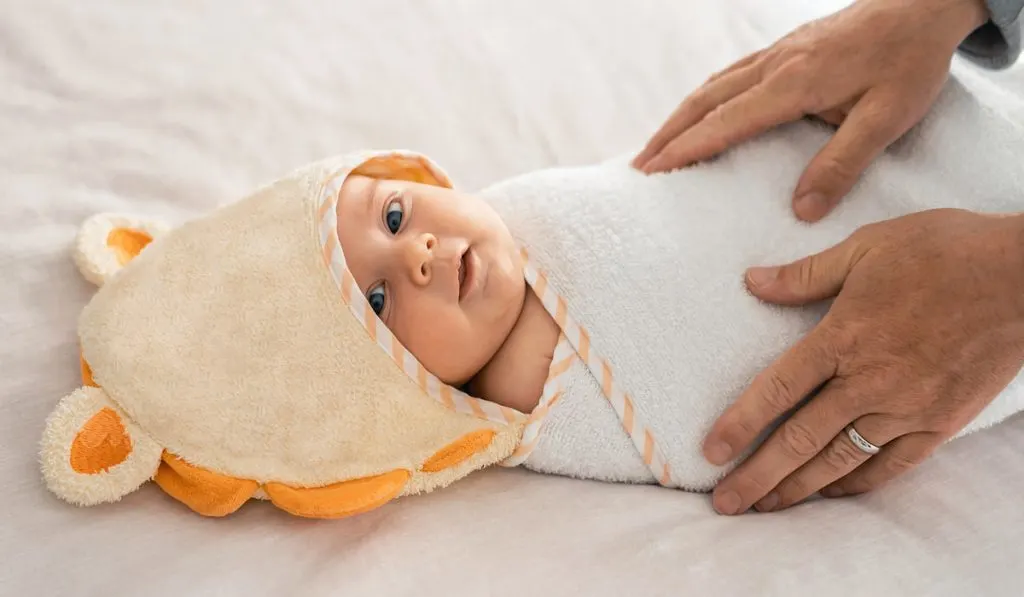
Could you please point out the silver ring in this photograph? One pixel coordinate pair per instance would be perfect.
(858, 440)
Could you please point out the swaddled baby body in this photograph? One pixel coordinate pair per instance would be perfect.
(611, 305)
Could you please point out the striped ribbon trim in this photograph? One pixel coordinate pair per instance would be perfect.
(554, 388)
(641, 435)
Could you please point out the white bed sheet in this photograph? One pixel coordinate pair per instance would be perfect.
(169, 108)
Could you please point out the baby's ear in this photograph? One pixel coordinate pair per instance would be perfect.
(107, 242)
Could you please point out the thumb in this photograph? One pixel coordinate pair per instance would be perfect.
(865, 133)
(808, 280)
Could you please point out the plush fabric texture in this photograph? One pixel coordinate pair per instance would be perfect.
(651, 267)
(227, 342)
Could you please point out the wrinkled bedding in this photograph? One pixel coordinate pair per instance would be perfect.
(168, 109)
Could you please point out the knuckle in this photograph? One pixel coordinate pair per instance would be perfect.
(798, 441)
(807, 272)
(743, 428)
(841, 455)
(835, 169)
(700, 101)
(793, 490)
(719, 116)
(779, 391)
(898, 463)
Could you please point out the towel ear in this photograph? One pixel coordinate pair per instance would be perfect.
(91, 453)
(107, 242)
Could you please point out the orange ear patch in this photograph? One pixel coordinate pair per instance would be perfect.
(205, 492)
(458, 451)
(87, 374)
(340, 499)
(100, 444)
(127, 243)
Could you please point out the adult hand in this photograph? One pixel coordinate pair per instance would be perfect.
(927, 327)
(873, 69)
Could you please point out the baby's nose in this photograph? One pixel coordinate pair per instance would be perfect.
(419, 257)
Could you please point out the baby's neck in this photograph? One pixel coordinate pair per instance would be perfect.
(515, 376)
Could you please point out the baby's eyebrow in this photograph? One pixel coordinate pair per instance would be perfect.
(371, 193)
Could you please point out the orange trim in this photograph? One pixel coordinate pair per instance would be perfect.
(446, 396)
(325, 206)
(648, 447)
(397, 352)
(561, 366)
(347, 283)
(561, 310)
(541, 286)
(339, 500)
(87, 373)
(371, 322)
(329, 246)
(100, 444)
(666, 475)
(627, 414)
(584, 345)
(459, 451)
(421, 377)
(509, 414)
(606, 378)
(205, 492)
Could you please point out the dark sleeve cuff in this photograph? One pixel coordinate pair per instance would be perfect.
(996, 44)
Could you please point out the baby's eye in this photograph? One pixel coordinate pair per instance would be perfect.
(375, 296)
(393, 215)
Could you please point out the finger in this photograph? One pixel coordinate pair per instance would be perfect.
(871, 126)
(807, 280)
(744, 116)
(834, 117)
(896, 458)
(705, 99)
(797, 441)
(839, 458)
(797, 373)
(748, 59)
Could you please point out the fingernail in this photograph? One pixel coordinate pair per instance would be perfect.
(832, 492)
(762, 276)
(718, 453)
(727, 503)
(768, 502)
(810, 206)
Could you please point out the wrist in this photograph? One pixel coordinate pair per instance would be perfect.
(962, 17)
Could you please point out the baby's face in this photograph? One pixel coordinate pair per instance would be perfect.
(439, 267)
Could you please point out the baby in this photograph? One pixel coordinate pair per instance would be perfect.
(442, 271)
(609, 306)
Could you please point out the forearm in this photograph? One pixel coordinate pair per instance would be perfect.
(997, 43)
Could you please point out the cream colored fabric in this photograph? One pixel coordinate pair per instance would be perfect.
(228, 342)
(168, 109)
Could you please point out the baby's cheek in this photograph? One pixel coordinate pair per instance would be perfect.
(438, 336)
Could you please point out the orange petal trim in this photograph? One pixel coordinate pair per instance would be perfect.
(339, 500)
(459, 450)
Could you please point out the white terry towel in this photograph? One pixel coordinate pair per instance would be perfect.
(653, 268)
